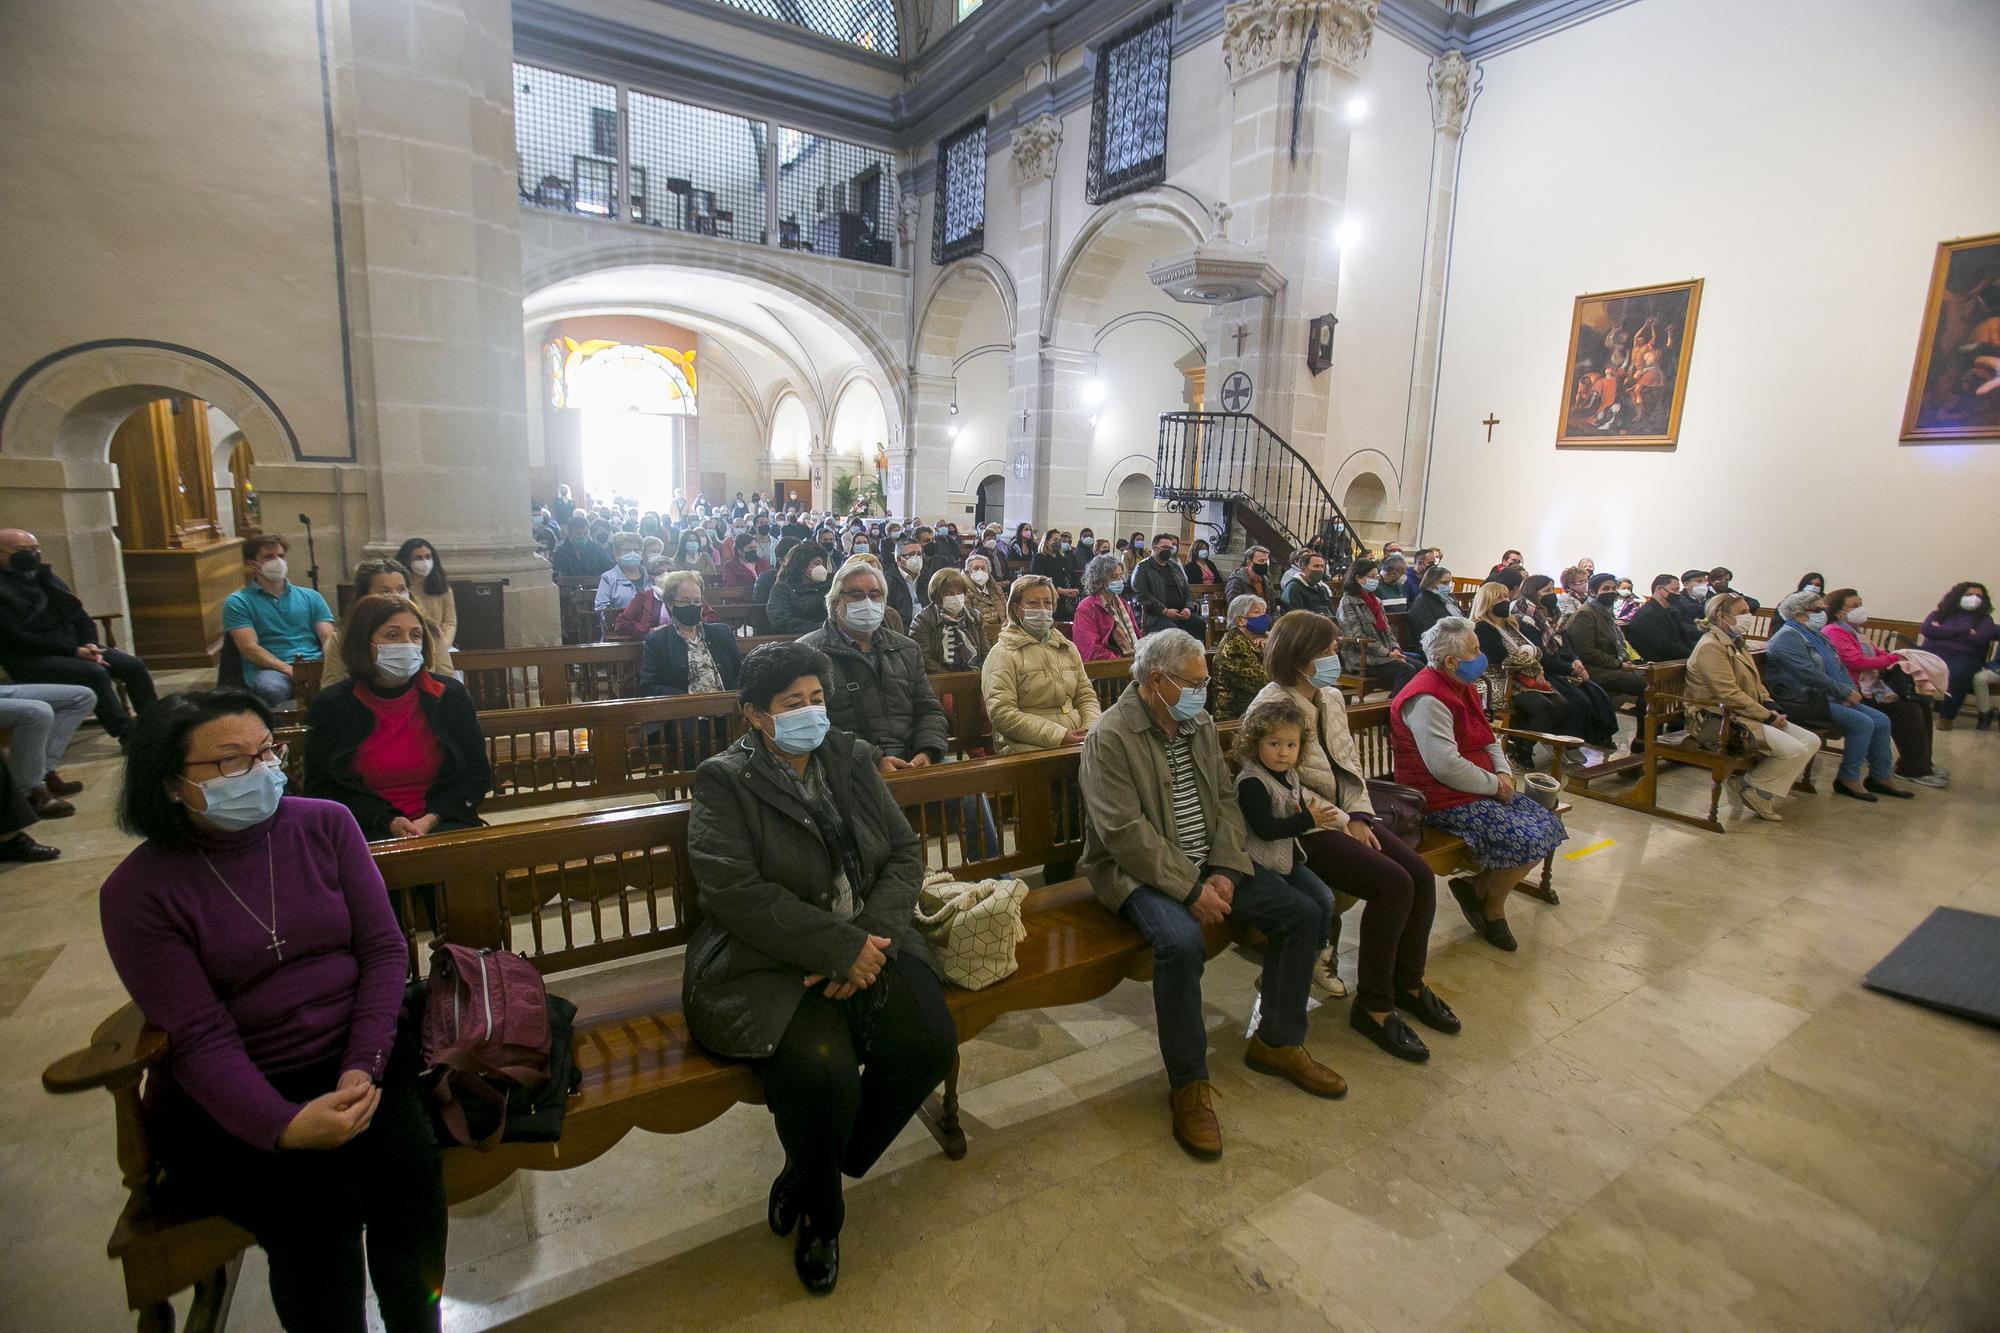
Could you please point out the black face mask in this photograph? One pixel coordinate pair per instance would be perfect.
(1550, 606)
(23, 562)
(1502, 611)
(1164, 554)
(686, 615)
(1260, 569)
(1607, 600)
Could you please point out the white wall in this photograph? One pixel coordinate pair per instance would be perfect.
(730, 440)
(1804, 157)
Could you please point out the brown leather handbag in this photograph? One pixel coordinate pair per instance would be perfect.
(1401, 808)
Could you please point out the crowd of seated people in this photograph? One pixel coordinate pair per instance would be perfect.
(296, 1099)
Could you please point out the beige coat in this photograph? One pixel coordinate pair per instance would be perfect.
(1349, 791)
(1722, 672)
(1035, 691)
(442, 611)
(1128, 834)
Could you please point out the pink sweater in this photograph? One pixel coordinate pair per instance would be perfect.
(1091, 631)
(201, 969)
(1856, 654)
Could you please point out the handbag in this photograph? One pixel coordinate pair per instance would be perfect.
(1401, 808)
(973, 929)
(495, 1045)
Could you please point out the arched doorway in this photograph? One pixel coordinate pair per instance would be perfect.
(991, 507)
(1137, 508)
(1366, 505)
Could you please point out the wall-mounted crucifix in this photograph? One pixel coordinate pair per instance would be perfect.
(1490, 422)
(1240, 335)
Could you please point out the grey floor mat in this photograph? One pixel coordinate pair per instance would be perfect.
(1950, 962)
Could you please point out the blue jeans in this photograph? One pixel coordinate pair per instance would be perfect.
(43, 718)
(273, 687)
(1864, 739)
(1294, 911)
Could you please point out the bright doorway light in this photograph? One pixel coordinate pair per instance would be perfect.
(631, 453)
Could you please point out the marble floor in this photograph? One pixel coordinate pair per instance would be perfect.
(1674, 1108)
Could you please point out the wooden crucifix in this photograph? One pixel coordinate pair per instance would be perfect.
(1490, 422)
(1241, 334)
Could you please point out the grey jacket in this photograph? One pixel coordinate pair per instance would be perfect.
(1128, 834)
(765, 884)
(1362, 642)
(893, 708)
(1599, 643)
(1161, 588)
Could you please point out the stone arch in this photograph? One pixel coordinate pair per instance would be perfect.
(1365, 501)
(56, 423)
(1135, 505)
(950, 300)
(1101, 248)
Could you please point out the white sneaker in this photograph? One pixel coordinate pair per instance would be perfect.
(1326, 975)
(1935, 778)
(1758, 801)
(1592, 756)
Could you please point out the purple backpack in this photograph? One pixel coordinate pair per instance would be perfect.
(485, 1035)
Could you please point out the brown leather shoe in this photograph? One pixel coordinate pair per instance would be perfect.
(1295, 1063)
(47, 806)
(1195, 1126)
(59, 785)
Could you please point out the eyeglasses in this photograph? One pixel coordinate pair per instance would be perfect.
(860, 595)
(1186, 684)
(236, 765)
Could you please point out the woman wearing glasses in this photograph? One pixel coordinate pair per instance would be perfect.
(288, 1102)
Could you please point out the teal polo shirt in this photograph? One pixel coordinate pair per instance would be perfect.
(284, 623)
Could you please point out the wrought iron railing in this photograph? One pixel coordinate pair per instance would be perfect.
(1234, 458)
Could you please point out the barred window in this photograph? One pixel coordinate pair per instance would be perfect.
(565, 141)
(1128, 116)
(959, 209)
(697, 170)
(836, 198)
(869, 24)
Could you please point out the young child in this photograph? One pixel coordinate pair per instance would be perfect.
(1277, 810)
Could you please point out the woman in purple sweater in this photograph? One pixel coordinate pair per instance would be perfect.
(289, 1100)
(1961, 632)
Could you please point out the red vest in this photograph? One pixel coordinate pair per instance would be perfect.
(1468, 728)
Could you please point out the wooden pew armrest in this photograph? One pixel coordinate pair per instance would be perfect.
(122, 1048)
(1546, 738)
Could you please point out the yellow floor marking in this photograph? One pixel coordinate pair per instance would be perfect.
(1582, 852)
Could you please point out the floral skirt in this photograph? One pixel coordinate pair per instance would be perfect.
(1519, 833)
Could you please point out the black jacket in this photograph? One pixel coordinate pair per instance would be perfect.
(1428, 608)
(900, 600)
(760, 591)
(337, 723)
(1660, 634)
(663, 660)
(1161, 588)
(587, 561)
(796, 608)
(893, 709)
(41, 617)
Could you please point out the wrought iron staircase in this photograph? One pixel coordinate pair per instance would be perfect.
(1262, 482)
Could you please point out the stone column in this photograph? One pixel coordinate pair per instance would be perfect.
(930, 436)
(1029, 428)
(1287, 206)
(1454, 83)
(440, 293)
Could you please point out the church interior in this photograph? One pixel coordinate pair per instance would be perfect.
(1468, 286)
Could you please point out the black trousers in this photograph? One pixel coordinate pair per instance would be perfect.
(1910, 730)
(309, 1208)
(849, 1074)
(1630, 685)
(1401, 893)
(123, 668)
(1591, 712)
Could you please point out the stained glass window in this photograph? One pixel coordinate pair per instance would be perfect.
(1128, 116)
(959, 211)
(869, 24)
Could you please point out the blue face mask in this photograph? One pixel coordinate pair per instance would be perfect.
(1471, 669)
(1116, 587)
(801, 730)
(1326, 671)
(1258, 624)
(246, 800)
(1193, 699)
(1371, 584)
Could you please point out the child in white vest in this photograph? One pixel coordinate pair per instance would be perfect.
(1277, 809)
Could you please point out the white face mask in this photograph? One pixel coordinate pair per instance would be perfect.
(422, 568)
(274, 569)
(953, 604)
(1972, 601)
(864, 616)
(979, 576)
(817, 574)
(398, 661)
(913, 564)
(1857, 615)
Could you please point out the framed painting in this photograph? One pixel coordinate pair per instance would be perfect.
(1955, 388)
(1628, 367)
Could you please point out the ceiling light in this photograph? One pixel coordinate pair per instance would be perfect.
(1356, 109)
(1346, 234)
(1093, 392)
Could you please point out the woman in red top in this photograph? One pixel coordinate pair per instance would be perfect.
(399, 747)
(1444, 748)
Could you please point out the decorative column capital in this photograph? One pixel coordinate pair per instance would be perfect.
(1259, 33)
(907, 218)
(1454, 82)
(1035, 145)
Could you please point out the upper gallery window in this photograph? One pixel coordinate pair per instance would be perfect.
(1128, 116)
(869, 24)
(959, 220)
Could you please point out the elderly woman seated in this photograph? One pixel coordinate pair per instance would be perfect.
(806, 963)
(1367, 647)
(949, 628)
(1444, 748)
(1807, 678)
(626, 579)
(877, 686)
(1238, 671)
(1164, 848)
(1037, 693)
(1105, 626)
(1723, 680)
(685, 655)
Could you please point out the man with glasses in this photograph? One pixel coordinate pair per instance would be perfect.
(878, 689)
(1164, 848)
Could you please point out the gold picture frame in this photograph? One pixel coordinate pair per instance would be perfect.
(1955, 385)
(1626, 375)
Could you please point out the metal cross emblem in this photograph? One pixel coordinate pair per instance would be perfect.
(1236, 392)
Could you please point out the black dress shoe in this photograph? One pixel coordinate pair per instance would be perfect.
(25, 848)
(1500, 935)
(1842, 789)
(1392, 1034)
(58, 785)
(1881, 788)
(783, 1212)
(49, 807)
(1470, 903)
(816, 1259)
(1424, 1005)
